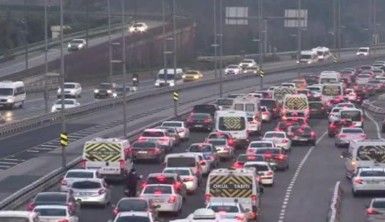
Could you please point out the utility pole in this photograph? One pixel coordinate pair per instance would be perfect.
(87, 21)
(374, 34)
(215, 45)
(62, 76)
(109, 40)
(260, 36)
(220, 48)
(174, 34)
(26, 35)
(299, 36)
(124, 68)
(164, 41)
(46, 56)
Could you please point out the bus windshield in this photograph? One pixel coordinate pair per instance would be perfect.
(331, 90)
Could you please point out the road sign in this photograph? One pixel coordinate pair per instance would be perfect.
(237, 15)
(63, 139)
(175, 96)
(295, 18)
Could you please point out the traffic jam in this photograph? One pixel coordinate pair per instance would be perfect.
(233, 167)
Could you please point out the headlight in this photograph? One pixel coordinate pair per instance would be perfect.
(196, 77)
(10, 100)
(184, 76)
(109, 91)
(156, 83)
(69, 45)
(96, 91)
(172, 84)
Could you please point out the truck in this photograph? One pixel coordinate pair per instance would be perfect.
(109, 156)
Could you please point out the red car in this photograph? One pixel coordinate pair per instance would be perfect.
(200, 121)
(243, 158)
(227, 136)
(302, 134)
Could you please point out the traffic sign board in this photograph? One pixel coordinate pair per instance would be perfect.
(176, 96)
(64, 139)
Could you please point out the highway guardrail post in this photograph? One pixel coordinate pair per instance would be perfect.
(175, 97)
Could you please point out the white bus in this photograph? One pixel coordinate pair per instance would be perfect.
(235, 123)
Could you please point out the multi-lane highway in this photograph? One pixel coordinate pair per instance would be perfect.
(300, 194)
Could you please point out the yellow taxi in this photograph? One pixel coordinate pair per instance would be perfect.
(192, 75)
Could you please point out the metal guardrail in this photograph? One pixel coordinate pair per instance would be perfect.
(47, 119)
(373, 108)
(334, 214)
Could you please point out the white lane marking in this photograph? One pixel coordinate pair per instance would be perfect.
(42, 148)
(7, 163)
(13, 160)
(375, 123)
(294, 179)
(48, 146)
(32, 151)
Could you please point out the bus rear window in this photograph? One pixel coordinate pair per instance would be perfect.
(232, 123)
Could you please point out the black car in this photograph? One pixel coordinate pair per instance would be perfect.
(106, 90)
(317, 109)
(311, 79)
(302, 134)
(205, 108)
(200, 121)
(271, 105)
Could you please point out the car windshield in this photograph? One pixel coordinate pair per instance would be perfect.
(132, 219)
(51, 198)
(132, 205)
(261, 144)
(181, 162)
(353, 115)
(105, 86)
(65, 101)
(372, 173)
(232, 123)
(51, 212)
(69, 86)
(13, 219)
(330, 90)
(378, 204)
(191, 72)
(218, 142)
(77, 174)
(138, 25)
(6, 92)
(200, 116)
(153, 134)
(224, 208)
(232, 67)
(77, 41)
(274, 135)
(200, 148)
(363, 50)
(244, 158)
(157, 190)
(86, 185)
(352, 130)
(144, 145)
(169, 76)
(305, 57)
(258, 167)
(180, 172)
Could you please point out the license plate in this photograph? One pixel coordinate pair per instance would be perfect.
(157, 200)
(142, 152)
(373, 182)
(302, 139)
(198, 125)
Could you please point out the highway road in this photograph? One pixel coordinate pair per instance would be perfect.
(308, 185)
(34, 104)
(37, 59)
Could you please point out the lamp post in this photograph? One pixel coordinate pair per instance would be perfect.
(109, 40)
(215, 45)
(124, 68)
(62, 76)
(45, 56)
(220, 35)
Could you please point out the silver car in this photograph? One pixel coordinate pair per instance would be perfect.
(369, 180)
(91, 191)
(348, 134)
(53, 213)
(334, 114)
(76, 175)
(376, 210)
(164, 196)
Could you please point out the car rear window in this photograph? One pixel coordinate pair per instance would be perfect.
(244, 158)
(53, 198)
(51, 212)
(153, 134)
(13, 219)
(161, 179)
(200, 116)
(157, 190)
(372, 173)
(181, 162)
(86, 185)
(218, 142)
(353, 130)
(180, 172)
(204, 108)
(256, 145)
(80, 175)
(274, 135)
(133, 219)
(132, 205)
(379, 204)
(267, 151)
(200, 148)
(228, 209)
(258, 167)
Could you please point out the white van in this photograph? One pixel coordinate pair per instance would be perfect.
(354, 114)
(167, 77)
(190, 160)
(308, 57)
(12, 94)
(367, 153)
(329, 77)
(235, 123)
(331, 91)
(323, 53)
(250, 105)
(239, 185)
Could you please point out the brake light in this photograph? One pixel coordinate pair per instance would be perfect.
(358, 180)
(64, 220)
(231, 142)
(202, 162)
(172, 199)
(122, 164)
(141, 138)
(164, 138)
(30, 206)
(371, 211)
(102, 191)
(238, 165)
(115, 211)
(83, 163)
(280, 157)
(239, 218)
(312, 133)
(267, 155)
(207, 197)
(270, 173)
(161, 178)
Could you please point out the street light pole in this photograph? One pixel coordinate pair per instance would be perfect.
(63, 120)
(261, 52)
(45, 56)
(109, 40)
(124, 68)
(164, 41)
(215, 39)
(221, 48)
(299, 36)
(26, 36)
(87, 21)
(174, 33)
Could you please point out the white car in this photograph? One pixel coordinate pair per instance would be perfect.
(55, 213)
(289, 85)
(187, 176)
(247, 63)
(232, 210)
(264, 171)
(368, 180)
(279, 138)
(233, 70)
(334, 114)
(348, 105)
(91, 191)
(363, 51)
(164, 196)
(18, 215)
(133, 216)
(253, 145)
(74, 175)
(138, 27)
(183, 131)
(349, 134)
(76, 44)
(68, 104)
(159, 136)
(222, 147)
(71, 89)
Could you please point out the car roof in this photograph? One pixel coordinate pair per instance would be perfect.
(274, 131)
(133, 213)
(17, 213)
(52, 206)
(155, 130)
(162, 174)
